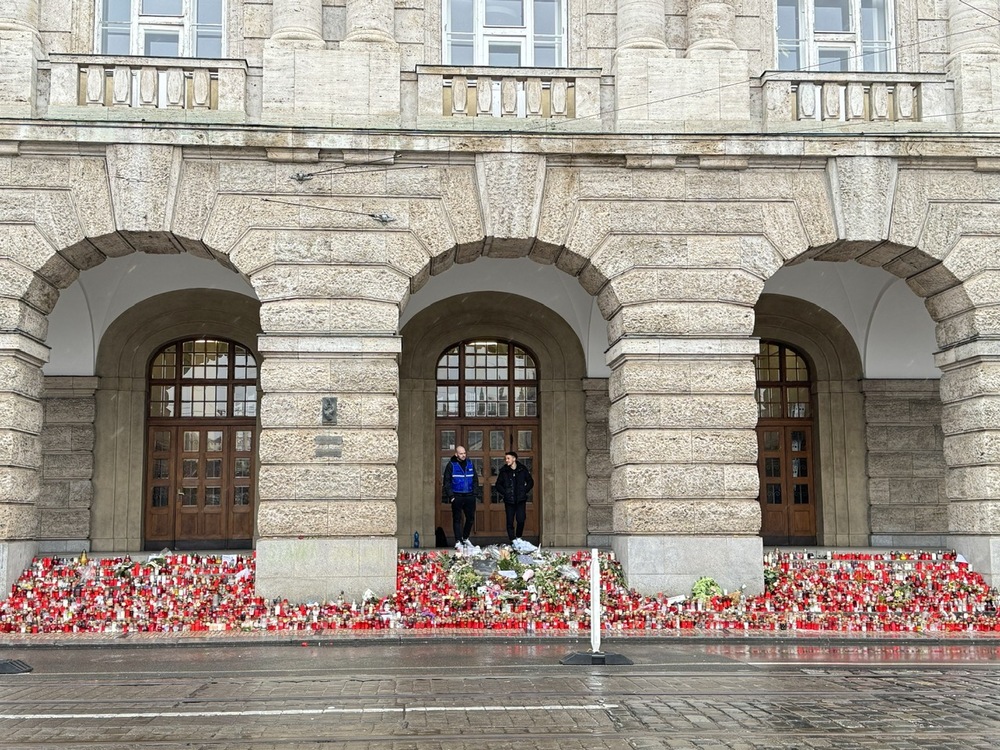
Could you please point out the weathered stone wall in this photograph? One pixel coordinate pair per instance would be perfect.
(67, 464)
(906, 465)
(599, 503)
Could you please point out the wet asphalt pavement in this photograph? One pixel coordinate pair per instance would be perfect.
(461, 695)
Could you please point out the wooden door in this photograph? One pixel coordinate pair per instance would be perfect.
(199, 487)
(486, 445)
(788, 513)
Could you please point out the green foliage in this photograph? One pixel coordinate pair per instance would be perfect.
(770, 578)
(705, 588)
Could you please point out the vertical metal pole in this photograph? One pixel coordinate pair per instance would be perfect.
(595, 602)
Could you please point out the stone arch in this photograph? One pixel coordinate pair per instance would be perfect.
(562, 370)
(843, 517)
(123, 356)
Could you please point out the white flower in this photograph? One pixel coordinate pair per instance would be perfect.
(528, 574)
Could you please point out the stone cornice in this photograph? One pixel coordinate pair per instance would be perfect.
(966, 151)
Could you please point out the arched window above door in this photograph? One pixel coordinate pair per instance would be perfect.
(203, 378)
(487, 378)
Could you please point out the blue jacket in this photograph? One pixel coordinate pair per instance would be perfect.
(459, 479)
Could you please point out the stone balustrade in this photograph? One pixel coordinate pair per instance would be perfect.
(480, 97)
(148, 88)
(860, 101)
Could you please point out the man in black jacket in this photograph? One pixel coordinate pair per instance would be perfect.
(514, 485)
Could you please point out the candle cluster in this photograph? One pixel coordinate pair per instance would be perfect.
(846, 592)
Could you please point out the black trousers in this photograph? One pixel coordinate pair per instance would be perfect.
(463, 505)
(515, 513)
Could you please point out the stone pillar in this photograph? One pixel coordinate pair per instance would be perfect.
(972, 27)
(370, 21)
(641, 24)
(21, 360)
(683, 450)
(970, 420)
(711, 27)
(297, 20)
(20, 51)
(973, 61)
(906, 466)
(67, 464)
(326, 518)
(599, 505)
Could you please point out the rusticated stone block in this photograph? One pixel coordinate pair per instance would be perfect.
(599, 490)
(973, 483)
(325, 281)
(22, 412)
(597, 437)
(70, 410)
(974, 517)
(688, 480)
(709, 375)
(303, 410)
(63, 524)
(18, 521)
(686, 517)
(324, 315)
(68, 466)
(325, 481)
(903, 438)
(598, 464)
(20, 377)
(20, 449)
(333, 376)
(979, 379)
(682, 411)
(326, 518)
(682, 319)
(19, 485)
(55, 494)
(973, 448)
(599, 519)
(353, 446)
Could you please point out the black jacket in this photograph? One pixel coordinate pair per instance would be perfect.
(514, 485)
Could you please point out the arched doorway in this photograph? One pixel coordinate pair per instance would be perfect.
(785, 446)
(487, 400)
(200, 445)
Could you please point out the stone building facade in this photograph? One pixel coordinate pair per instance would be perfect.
(730, 265)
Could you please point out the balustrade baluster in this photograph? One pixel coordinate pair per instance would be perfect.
(121, 88)
(201, 89)
(533, 97)
(559, 98)
(149, 79)
(484, 96)
(905, 97)
(96, 83)
(879, 101)
(831, 100)
(459, 96)
(855, 103)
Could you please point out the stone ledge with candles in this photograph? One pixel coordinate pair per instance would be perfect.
(541, 593)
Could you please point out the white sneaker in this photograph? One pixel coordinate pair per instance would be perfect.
(459, 547)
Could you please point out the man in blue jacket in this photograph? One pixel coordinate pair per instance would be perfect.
(514, 485)
(460, 487)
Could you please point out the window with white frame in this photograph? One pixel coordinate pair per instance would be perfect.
(505, 33)
(834, 35)
(160, 28)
